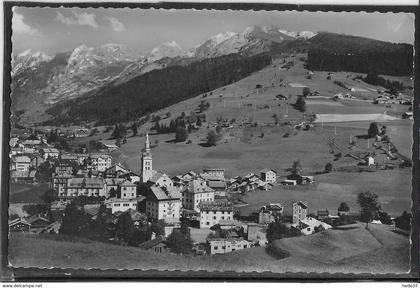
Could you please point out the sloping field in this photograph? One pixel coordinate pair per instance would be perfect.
(349, 251)
(378, 117)
(332, 245)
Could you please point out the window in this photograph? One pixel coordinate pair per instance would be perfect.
(214, 217)
(223, 247)
(207, 223)
(245, 246)
(215, 247)
(126, 205)
(223, 218)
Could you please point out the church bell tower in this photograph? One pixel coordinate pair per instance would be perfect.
(146, 161)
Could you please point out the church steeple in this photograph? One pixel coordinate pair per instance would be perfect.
(147, 143)
(146, 161)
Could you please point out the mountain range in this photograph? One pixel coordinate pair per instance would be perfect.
(40, 81)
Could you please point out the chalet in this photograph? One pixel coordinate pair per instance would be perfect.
(213, 173)
(115, 204)
(116, 170)
(222, 246)
(161, 180)
(163, 203)
(189, 176)
(178, 181)
(127, 190)
(156, 245)
(265, 185)
(19, 225)
(270, 213)
(301, 180)
(251, 177)
(20, 163)
(268, 175)
(308, 225)
(299, 210)
(212, 212)
(196, 192)
(84, 187)
(38, 223)
(131, 176)
(49, 153)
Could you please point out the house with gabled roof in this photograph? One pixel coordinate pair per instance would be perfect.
(268, 175)
(116, 170)
(160, 179)
(195, 192)
(19, 224)
(211, 213)
(127, 190)
(163, 203)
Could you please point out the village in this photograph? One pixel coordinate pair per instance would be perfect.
(202, 206)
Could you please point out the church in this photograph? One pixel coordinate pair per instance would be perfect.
(147, 162)
(163, 201)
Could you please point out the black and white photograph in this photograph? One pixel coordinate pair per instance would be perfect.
(211, 140)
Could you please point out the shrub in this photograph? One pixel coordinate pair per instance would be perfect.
(276, 252)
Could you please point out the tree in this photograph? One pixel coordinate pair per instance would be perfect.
(49, 196)
(184, 229)
(404, 221)
(134, 128)
(179, 243)
(181, 134)
(369, 206)
(385, 218)
(218, 129)
(296, 168)
(158, 227)
(306, 91)
(328, 167)
(373, 130)
(212, 138)
(278, 230)
(74, 220)
(344, 207)
(124, 227)
(138, 236)
(300, 104)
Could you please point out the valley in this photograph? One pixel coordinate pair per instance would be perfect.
(294, 147)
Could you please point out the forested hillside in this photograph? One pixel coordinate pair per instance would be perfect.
(157, 89)
(335, 52)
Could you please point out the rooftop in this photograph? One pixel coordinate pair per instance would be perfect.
(216, 205)
(165, 193)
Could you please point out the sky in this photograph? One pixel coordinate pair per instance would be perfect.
(53, 30)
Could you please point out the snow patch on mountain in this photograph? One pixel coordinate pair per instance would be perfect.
(28, 59)
(167, 49)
